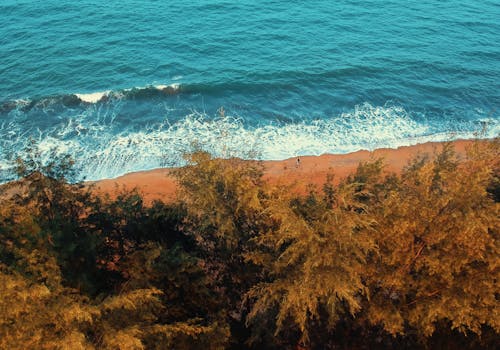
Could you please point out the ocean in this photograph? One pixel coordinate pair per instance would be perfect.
(132, 85)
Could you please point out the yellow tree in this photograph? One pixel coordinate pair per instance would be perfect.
(314, 257)
(437, 233)
(224, 201)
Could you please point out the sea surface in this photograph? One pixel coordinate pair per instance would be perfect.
(132, 85)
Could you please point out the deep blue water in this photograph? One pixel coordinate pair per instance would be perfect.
(130, 85)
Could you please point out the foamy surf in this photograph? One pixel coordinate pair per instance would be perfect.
(96, 97)
(174, 86)
(92, 97)
(103, 151)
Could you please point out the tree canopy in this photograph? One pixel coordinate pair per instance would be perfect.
(374, 260)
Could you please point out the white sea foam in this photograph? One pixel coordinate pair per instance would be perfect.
(103, 152)
(118, 94)
(174, 86)
(22, 102)
(47, 144)
(92, 97)
(97, 96)
(366, 127)
(4, 164)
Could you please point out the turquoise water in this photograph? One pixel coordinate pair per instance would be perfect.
(130, 85)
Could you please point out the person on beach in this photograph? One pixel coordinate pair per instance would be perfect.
(297, 163)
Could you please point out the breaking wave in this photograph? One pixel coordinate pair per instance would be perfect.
(92, 97)
(105, 152)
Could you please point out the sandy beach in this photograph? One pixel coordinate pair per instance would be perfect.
(159, 184)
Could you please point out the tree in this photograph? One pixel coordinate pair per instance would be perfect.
(314, 260)
(224, 204)
(57, 246)
(437, 233)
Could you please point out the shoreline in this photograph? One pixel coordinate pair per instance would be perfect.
(159, 184)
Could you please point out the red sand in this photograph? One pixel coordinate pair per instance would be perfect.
(159, 184)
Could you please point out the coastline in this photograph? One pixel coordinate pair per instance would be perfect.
(159, 184)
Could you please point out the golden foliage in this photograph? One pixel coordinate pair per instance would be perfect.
(402, 255)
(222, 197)
(315, 258)
(34, 317)
(437, 233)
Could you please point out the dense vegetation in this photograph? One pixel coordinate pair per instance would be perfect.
(375, 261)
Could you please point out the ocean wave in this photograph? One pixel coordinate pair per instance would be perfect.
(102, 152)
(91, 97)
(137, 92)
